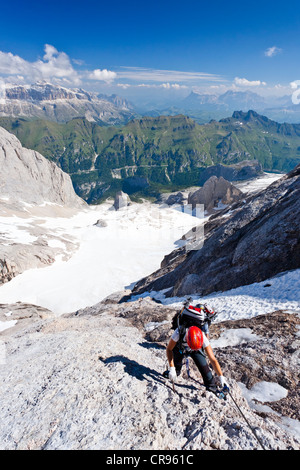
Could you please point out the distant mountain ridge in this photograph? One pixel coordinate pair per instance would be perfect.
(158, 152)
(46, 101)
(202, 107)
(229, 101)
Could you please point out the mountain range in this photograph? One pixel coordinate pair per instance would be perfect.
(46, 101)
(203, 107)
(224, 103)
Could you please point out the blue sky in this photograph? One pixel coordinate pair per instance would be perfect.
(171, 45)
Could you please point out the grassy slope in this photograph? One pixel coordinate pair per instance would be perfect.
(168, 150)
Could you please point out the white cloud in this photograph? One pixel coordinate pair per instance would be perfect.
(12, 64)
(271, 51)
(78, 61)
(58, 68)
(54, 65)
(173, 86)
(103, 75)
(295, 95)
(164, 76)
(50, 51)
(123, 85)
(245, 82)
(166, 86)
(294, 85)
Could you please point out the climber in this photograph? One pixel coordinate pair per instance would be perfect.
(193, 342)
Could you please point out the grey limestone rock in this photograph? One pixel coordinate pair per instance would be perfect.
(30, 184)
(29, 177)
(215, 190)
(121, 200)
(92, 381)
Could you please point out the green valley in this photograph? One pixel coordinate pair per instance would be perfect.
(151, 154)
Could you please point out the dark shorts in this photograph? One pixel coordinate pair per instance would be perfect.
(201, 363)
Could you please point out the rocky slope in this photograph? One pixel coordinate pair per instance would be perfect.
(252, 240)
(29, 177)
(30, 185)
(92, 380)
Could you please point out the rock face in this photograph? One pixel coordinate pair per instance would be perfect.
(29, 177)
(237, 172)
(252, 241)
(121, 200)
(93, 380)
(41, 92)
(177, 197)
(215, 190)
(17, 258)
(28, 182)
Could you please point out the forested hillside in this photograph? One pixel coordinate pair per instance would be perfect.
(153, 153)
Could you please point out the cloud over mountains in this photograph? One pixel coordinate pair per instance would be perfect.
(54, 66)
(58, 68)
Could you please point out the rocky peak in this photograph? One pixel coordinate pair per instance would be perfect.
(29, 177)
(214, 191)
(30, 182)
(117, 100)
(251, 116)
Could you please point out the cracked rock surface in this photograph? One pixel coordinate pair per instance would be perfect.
(92, 380)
